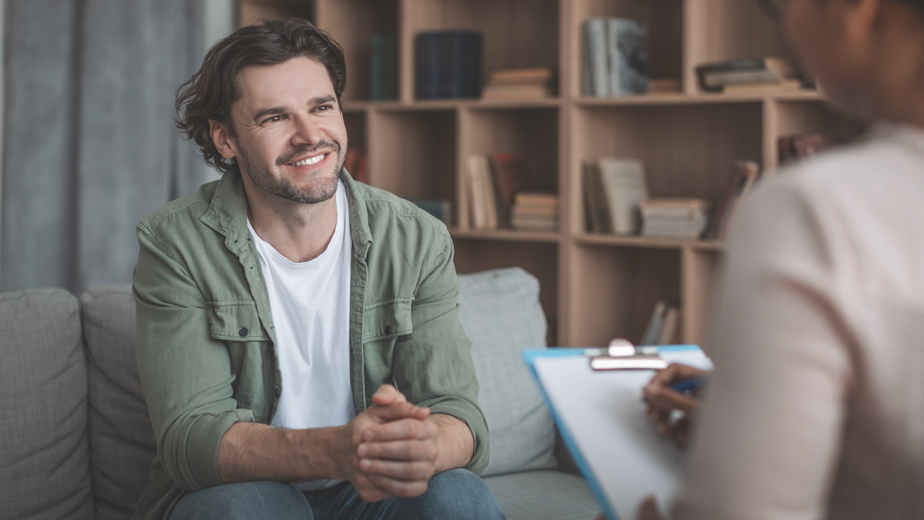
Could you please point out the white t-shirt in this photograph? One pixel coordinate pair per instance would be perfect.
(310, 304)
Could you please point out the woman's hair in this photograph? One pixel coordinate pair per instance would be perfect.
(208, 95)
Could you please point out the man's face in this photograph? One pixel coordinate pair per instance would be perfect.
(290, 138)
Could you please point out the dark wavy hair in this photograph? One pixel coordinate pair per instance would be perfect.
(209, 93)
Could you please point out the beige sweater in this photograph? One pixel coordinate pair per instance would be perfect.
(816, 409)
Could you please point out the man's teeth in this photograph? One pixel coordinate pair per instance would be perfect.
(311, 160)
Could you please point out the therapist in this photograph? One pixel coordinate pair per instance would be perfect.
(816, 406)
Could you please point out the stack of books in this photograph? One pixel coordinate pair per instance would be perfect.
(614, 57)
(613, 189)
(534, 212)
(742, 179)
(748, 76)
(492, 183)
(447, 64)
(680, 218)
(516, 84)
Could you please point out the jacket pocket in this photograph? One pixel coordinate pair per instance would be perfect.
(387, 320)
(235, 321)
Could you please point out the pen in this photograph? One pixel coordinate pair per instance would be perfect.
(689, 385)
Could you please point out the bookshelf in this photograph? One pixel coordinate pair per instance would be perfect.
(594, 286)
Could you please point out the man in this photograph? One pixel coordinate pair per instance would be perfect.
(298, 337)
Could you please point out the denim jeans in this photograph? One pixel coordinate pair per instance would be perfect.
(456, 494)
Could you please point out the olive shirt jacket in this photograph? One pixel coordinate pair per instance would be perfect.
(207, 351)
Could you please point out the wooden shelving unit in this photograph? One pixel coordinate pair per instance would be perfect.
(594, 287)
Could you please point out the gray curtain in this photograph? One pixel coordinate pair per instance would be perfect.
(90, 146)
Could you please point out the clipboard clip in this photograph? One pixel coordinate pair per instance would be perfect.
(621, 354)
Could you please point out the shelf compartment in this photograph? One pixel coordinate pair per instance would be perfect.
(687, 150)
(413, 154)
(539, 259)
(517, 33)
(664, 19)
(356, 131)
(352, 23)
(613, 290)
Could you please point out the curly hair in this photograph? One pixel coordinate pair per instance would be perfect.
(210, 92)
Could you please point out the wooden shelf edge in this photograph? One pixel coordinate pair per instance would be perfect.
(506, 235)
(700, 99)
(449, 104)
(648, 242)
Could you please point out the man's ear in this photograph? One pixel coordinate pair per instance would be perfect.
(221, 138)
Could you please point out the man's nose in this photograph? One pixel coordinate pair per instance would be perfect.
(306, 131)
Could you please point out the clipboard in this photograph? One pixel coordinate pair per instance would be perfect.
(601, 418)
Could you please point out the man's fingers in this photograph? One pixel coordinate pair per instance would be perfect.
(398, 410)
(387, 394)
(397, 487)
(401, 429)
(400, 470)
(402, 450)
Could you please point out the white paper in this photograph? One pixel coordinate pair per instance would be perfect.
(604, 414)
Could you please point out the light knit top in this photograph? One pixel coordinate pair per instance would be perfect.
(816, 409)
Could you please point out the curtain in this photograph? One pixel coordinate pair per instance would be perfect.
(89, 142)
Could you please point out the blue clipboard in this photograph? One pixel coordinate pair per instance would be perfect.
(530, 356)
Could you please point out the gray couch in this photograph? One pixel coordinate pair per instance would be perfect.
(76, 440)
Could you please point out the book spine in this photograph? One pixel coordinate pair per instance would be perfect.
(426, 62)
(631, 57)
(599, 68)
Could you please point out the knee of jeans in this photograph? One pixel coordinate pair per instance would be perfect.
(245, 500)
(461, 494)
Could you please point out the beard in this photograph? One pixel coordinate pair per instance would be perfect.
(262, 175)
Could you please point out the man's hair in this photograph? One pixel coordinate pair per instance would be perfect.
(208, 95)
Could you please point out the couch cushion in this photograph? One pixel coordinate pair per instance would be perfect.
(501, 314)
(43, 419)
(121, 437)
(541, 495)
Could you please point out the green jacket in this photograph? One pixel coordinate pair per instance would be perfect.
(207, 350)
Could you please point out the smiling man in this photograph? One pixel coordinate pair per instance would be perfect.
(298, 337)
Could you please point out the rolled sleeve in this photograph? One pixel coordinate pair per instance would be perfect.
(433, 365)
(186, 375)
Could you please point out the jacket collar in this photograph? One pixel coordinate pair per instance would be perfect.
(227, 213)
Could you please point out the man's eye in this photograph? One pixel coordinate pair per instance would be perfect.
(272, 119)
(323, 108)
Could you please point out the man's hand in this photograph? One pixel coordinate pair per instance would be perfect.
(389, 449)
(663, 402)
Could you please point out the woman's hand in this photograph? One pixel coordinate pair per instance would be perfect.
(674, 411)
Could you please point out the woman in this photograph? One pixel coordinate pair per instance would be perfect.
(816, 408)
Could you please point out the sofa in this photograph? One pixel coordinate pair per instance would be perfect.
(76, 440)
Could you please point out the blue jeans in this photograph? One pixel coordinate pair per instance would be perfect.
(456, 494)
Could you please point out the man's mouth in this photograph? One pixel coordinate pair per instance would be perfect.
(310, 160)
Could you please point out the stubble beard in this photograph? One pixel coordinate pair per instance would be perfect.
(262, 176)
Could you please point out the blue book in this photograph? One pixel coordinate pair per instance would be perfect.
(460, 64)
(427, 65)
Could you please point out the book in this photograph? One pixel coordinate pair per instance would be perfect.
(480, 191)
(792, 148)
(534, 211)
(596, 75)
(439, 208)
(743, 177)
(534, 222)
(655, 323)
(627, 54)
(516, 91)
(623, 185)
(520, 76)
(511, 175)
(669, 328)
(384, 67)
(447, 64)
(596, 209)
(769, 70)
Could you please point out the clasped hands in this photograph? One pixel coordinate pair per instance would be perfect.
(390, 449)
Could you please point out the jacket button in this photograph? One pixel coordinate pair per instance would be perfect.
(243, 332)
(277, 392)
(387, 329)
